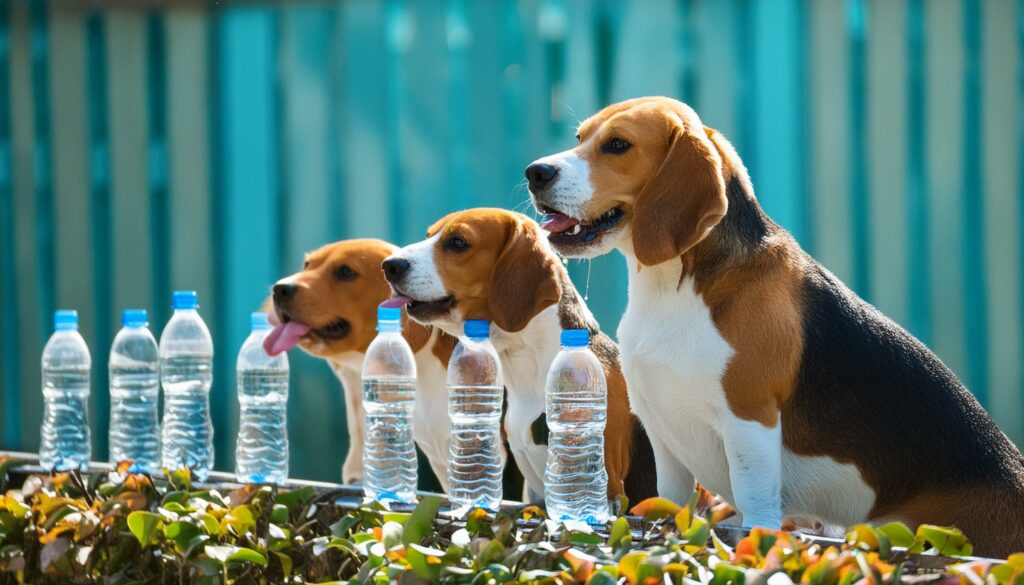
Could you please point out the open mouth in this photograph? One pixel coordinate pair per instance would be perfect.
(421, 310)
(565, 229)
(287, 332)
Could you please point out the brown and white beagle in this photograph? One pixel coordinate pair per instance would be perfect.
(753, 368)
(329, 309)
(496, 265)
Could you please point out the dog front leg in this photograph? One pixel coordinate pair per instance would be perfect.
(754, 452)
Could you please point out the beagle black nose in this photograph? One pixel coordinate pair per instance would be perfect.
(283, 292)
(540, 175)
(394, 268)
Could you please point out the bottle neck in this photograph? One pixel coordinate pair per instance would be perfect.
(389, 327)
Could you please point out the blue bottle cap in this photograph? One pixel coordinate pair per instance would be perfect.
(575, 338)
(389, 319)
(184, 299)
(477, 329)
(65, 320)
(259, 321)
(134, 318)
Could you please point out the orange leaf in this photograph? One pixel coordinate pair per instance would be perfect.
(656, 508)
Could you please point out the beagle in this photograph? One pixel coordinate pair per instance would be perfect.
(329, 308)
(496, 265)
(753, 368)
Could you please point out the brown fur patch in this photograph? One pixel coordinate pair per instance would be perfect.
(507, 276)
(992, 518)
(504, 275)
(322, 298)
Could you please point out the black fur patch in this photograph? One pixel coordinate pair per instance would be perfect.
(539, 430)
(868, 392)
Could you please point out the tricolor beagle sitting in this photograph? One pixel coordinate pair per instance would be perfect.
(329, 309)
(753, 368)
(496, 265)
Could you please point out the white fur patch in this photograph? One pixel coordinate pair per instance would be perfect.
(422, 281)
(571, 190)
(674, 359)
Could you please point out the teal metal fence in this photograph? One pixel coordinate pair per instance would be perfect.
(149, 146)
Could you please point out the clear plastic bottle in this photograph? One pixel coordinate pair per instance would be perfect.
(575, 480)
(66, 367)
(474, 407)
(261, 455)
(389, 392)
(186, 373)
(134, 368)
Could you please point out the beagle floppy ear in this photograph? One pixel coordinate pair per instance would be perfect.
(682, 201)
(524, 280)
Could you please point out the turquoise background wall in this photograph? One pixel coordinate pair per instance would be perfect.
(147, 146)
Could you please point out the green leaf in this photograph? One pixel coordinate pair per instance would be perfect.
(619, 532)
(286, 564)
(181, 533)
(279, 514)
(343, 526)
(426, 562)
(144, 525)
(248, 555)
(601, 578)
(293, 499)
(946, 540)
(421, 523)
(583, 538)
(898, 533)
(698, 532)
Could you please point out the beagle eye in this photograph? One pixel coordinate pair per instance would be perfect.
(577, 138)
(305, 265)
(615, 146)
(344, 272)
(456, 244)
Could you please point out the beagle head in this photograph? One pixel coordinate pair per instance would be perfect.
(645, 178)
(488, 264)
(328, 307)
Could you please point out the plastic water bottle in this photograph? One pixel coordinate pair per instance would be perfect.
(261, 455)
(575, 480)
(64, 437)
(389, 390)
(134, 394)
(186, 372)
(474, 407)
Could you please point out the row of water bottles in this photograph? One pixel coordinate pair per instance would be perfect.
(183, 365)
(575, 479)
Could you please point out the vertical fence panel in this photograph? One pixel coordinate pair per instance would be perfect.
(972, 202)
(75, 275)
(485, 148)
(130, 234)
(944, 135)
(830, 175)
(1001, 212)
(919, 308)
(886, 147)
(250, 189)
(716, 66)
(32, 324)
(191, 249)
(777, 87)
(305, 56)
(364, 147)
(157, 152)
(10, 396)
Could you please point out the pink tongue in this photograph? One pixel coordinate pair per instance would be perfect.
(284, 337)
(396, 302)
(557, 223)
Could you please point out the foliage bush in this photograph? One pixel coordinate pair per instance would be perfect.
(129, 528)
